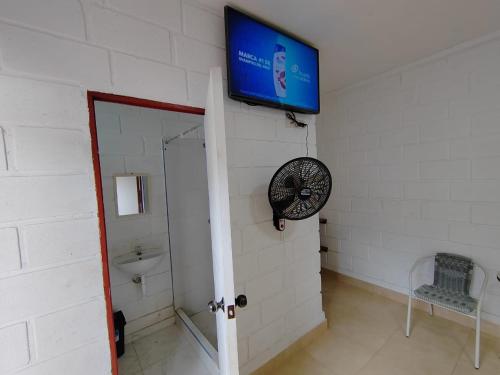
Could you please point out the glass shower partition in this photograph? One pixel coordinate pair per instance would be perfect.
(190, 240)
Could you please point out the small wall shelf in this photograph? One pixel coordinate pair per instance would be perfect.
(323, 249)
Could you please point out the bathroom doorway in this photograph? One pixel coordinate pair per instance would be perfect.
(150, 163)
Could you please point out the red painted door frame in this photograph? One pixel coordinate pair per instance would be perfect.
(92, 97)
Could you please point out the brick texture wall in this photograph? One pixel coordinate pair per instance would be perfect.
(415, 155)
(52, 317)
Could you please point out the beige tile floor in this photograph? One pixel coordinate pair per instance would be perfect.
(165, 351)
(365, 336)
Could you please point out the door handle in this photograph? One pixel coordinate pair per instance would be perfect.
(214, 306)
(241, 301)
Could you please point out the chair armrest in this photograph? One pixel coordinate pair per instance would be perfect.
(483, 285)
(414, 267)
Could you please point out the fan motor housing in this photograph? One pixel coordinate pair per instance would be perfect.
(305, 193)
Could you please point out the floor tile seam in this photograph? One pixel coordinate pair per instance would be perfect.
(396, 329)
(463, 351)
(456, 364)
(141, 364)
(137, 356)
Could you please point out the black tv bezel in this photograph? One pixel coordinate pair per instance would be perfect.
(253, 100)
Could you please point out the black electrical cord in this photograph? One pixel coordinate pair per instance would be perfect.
(307, 140)
(293, 119)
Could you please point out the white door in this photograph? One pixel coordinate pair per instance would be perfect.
(220, 224)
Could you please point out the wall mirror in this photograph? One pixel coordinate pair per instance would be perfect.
(131, 193)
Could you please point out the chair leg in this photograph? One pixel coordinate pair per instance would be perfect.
(431, 309)
(478, 340)
(408, 317)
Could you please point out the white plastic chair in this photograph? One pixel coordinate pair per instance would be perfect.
(475, 313)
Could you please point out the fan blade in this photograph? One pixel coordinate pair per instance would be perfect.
(290, 182)
(282, 193)
(283, 204)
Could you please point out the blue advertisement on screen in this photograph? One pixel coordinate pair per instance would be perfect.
(268, 66)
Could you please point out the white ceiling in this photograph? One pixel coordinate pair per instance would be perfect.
(359, 39)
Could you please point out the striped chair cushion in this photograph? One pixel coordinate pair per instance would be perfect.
(454, 301)
(452, 280)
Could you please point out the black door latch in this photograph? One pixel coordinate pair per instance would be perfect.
(241, 301)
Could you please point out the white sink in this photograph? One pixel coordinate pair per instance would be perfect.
(139, 262)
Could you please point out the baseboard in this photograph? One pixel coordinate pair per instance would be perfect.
(143, 322)
(132, 336)
(486, 326)
(279, 360)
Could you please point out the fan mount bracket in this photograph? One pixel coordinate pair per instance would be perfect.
(279, 223)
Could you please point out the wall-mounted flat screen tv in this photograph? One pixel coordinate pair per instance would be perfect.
(270, 67)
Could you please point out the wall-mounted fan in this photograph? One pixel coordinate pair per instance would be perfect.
(298, 190)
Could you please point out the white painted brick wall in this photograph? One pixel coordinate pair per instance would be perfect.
(427, 190)
(264, 339)
(78, 362)
(40, 15)
(197, 84)
(276, 306)
(427, 151)
(47, 243)
(70, 329)
(39, 103)
(481, 235)
(486, 214)
(476, 191)
(81, 282)
(26, 51)
(265, 286)
(163, 13)
(439, 148)
(45, 149)
(51, 54)
(17, 353)
(197, 56)
(203, 25)
(10, 257)
(3, 151)
(446, 210)
(38, 197)
(445, 170)
(138, 77)
(488, 168)
(127, 34)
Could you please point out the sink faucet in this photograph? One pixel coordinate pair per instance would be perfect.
(138, 250)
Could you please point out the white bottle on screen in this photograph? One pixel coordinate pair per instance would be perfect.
(279, 70)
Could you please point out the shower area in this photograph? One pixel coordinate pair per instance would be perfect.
(156, 205)
(189, 230)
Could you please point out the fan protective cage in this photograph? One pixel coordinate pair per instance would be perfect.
(300, 188)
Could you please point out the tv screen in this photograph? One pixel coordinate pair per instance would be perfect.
(269, 67)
